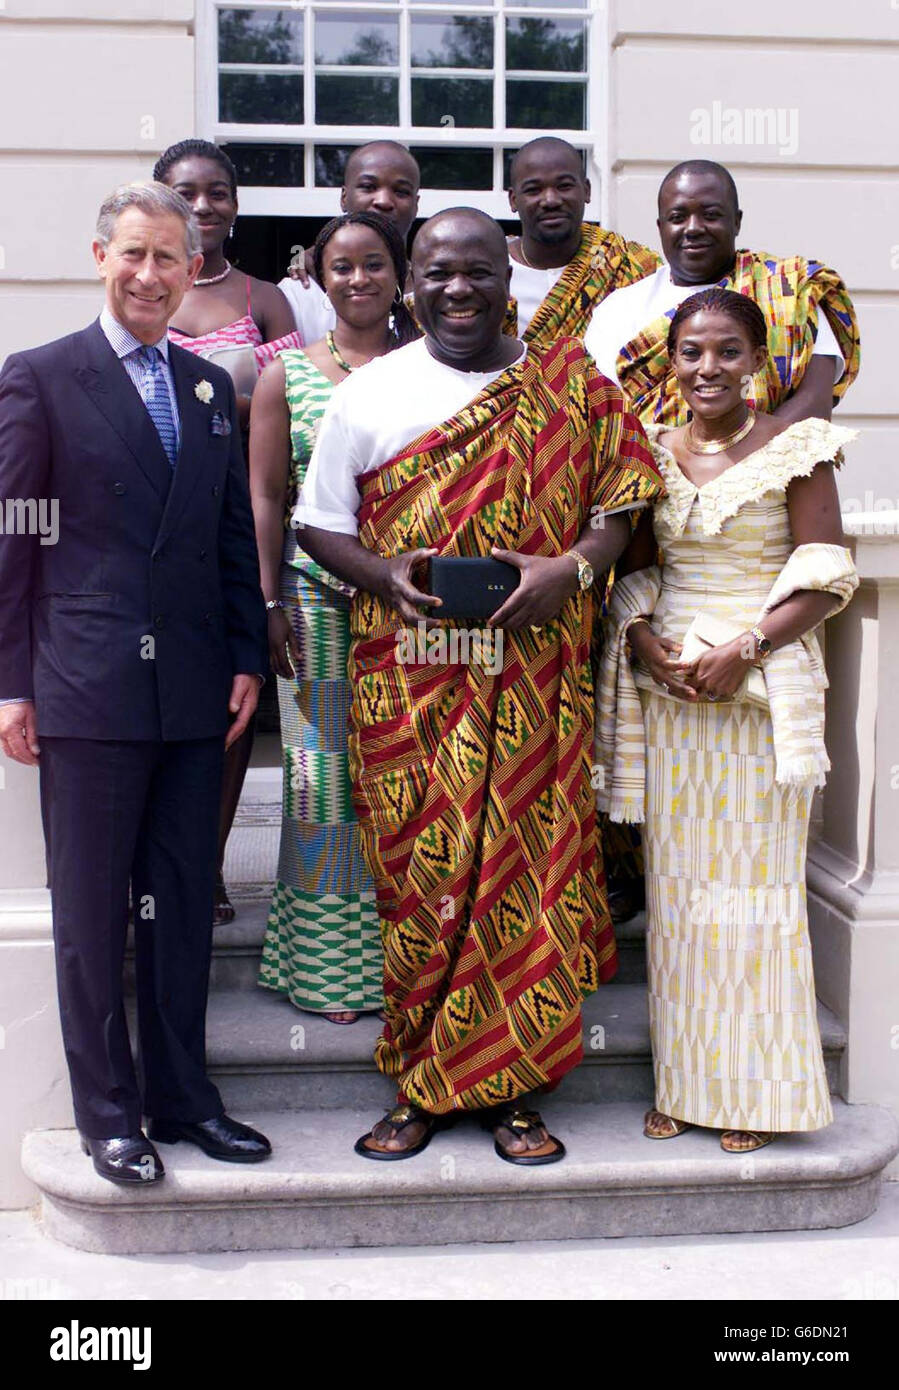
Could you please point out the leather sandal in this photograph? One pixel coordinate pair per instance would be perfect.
(399, 1118)
(761, 1136)
(521, 1123)
(680, 1126)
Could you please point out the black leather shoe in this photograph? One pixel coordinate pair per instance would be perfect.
(221, 1137)
(129, 1159)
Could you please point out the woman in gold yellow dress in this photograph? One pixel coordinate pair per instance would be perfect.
(752, 548)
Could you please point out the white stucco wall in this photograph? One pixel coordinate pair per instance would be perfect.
(89, 94)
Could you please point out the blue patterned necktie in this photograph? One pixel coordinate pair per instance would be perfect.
(158, 401)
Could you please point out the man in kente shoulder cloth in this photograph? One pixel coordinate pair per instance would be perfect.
(562, 267)
(813, 340)
(472, 781)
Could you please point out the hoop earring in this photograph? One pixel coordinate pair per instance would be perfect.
(398, 297)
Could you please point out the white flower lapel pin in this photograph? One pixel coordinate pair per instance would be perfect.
(203, 391)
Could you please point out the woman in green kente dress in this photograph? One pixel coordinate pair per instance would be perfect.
(322, 946)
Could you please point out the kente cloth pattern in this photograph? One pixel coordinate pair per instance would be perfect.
(726, 804)
(791, 293)
(604, 262)
(472, 779)
(732, 1012)
(728, 550)
(322, 945)
(308, 392)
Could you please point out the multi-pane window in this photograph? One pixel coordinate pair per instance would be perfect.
(290, 88)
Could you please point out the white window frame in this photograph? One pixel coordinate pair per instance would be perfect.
(310, 201)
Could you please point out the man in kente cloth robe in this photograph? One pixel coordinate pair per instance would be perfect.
(472, 780)
(813, 357)
(813, 340)
(562, 267)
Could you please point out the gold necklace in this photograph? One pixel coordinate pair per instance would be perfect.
(718, 446)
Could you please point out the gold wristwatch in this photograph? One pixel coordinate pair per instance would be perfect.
(762, 643)
(584, 570)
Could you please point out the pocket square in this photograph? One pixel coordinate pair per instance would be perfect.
(219, 424)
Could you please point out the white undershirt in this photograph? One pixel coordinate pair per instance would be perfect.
(312, 309)
(530, 287)
(370, 418)
(626, 312)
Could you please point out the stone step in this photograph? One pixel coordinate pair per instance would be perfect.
(631, 939)
(237, 946)
(315, 1193)
(264, 1053)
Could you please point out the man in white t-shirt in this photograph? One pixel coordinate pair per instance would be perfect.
(471, 748)
(813, 336)
(382, 177)
(562, 267)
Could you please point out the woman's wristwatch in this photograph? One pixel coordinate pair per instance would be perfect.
(763, 646)
(274, 603)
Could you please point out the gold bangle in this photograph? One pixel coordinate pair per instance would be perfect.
(638, 618)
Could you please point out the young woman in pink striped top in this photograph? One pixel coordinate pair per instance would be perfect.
(226, 308)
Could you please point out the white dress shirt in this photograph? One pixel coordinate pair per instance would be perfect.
(128, 350)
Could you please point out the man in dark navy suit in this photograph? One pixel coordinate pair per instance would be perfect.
(131, 652)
